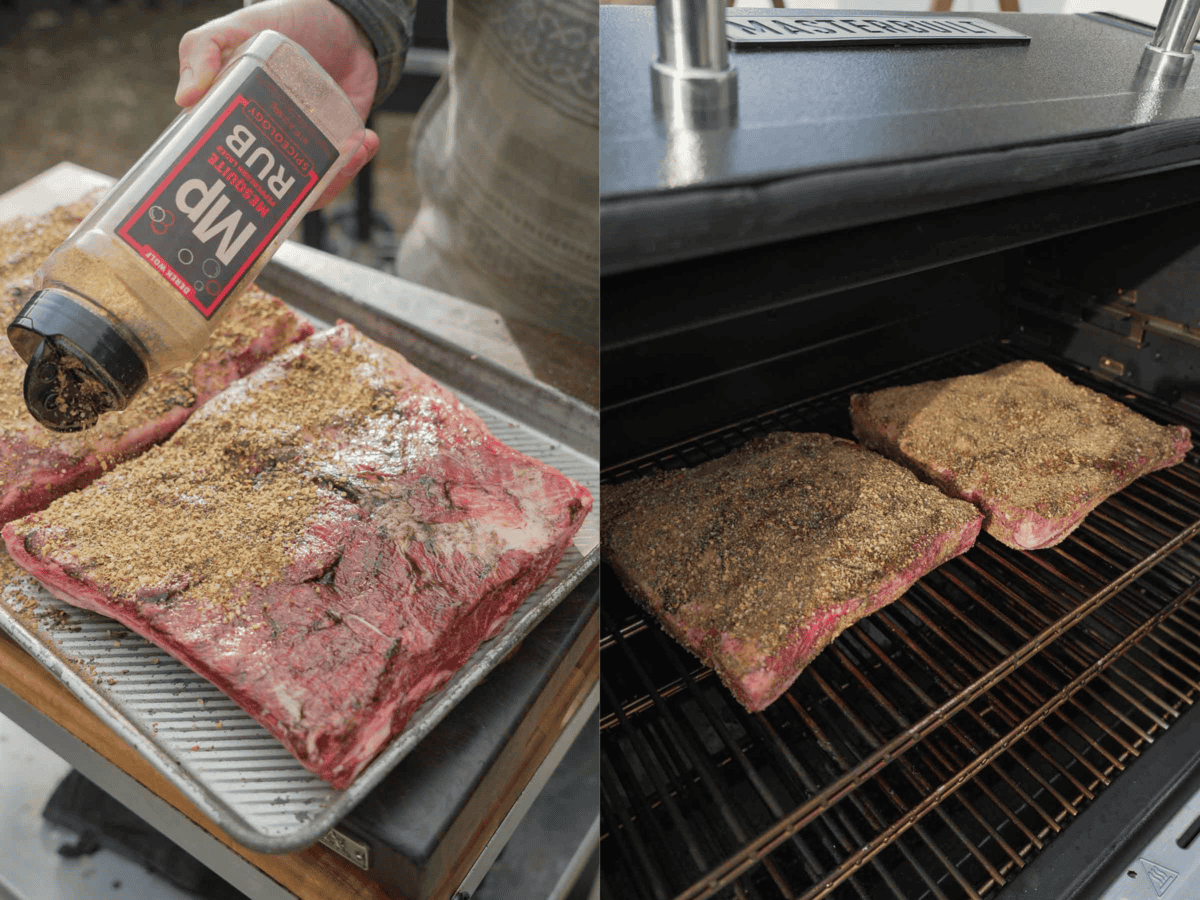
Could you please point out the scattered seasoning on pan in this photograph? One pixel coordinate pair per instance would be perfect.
(9, 570)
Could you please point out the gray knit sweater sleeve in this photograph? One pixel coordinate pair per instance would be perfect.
(389, 24)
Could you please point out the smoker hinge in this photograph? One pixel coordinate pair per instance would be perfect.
(355, 851)
(1112, 366)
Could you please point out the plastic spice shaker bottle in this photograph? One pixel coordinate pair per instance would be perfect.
(141, 282)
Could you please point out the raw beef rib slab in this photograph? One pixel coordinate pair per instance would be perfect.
(327, 541)
(1033, 450)
(756, 561)
(38, 465)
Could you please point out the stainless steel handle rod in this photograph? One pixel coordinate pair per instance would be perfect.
(691, 35)
(693, 84)
(1170, 50)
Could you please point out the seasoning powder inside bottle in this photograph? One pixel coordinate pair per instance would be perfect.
(139, 285)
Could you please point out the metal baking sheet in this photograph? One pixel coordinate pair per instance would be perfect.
(201, 741)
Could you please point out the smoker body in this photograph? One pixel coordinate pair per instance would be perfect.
(879, 215)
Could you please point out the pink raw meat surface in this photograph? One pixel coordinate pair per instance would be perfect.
(38, 465)
(327, 541)
(1030, 448)
(756, 561)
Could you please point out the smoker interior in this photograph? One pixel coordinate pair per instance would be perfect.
(935, 748)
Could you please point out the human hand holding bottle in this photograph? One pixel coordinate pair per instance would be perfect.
(326, 31)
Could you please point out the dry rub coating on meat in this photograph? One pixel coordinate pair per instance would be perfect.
(38, 465)
(756, 561)
(1033, 450)
(327, 541)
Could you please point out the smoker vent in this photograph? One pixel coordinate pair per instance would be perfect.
(934, 748)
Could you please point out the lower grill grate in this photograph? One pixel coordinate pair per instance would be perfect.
(934, 748)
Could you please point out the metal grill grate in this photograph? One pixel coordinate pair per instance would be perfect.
(934, 748)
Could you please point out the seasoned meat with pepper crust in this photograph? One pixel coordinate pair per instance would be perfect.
(756, 561)
(1033, 450)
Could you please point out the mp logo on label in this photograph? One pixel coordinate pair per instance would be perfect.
(1160, 876)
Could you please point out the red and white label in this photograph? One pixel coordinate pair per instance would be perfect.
(224, 200)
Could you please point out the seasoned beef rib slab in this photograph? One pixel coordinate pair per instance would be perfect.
(327, 541)
(1033, 450)
(38, 465)
(756, 561)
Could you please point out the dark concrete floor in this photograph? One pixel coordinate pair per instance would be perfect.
(94, 84)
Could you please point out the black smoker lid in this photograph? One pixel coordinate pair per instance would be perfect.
(79, 365)
(828, 138)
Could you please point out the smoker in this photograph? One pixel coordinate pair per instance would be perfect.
(798, 205)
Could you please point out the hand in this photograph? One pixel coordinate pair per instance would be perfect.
(320, 27)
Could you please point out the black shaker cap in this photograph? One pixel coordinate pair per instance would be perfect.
(79, 365)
